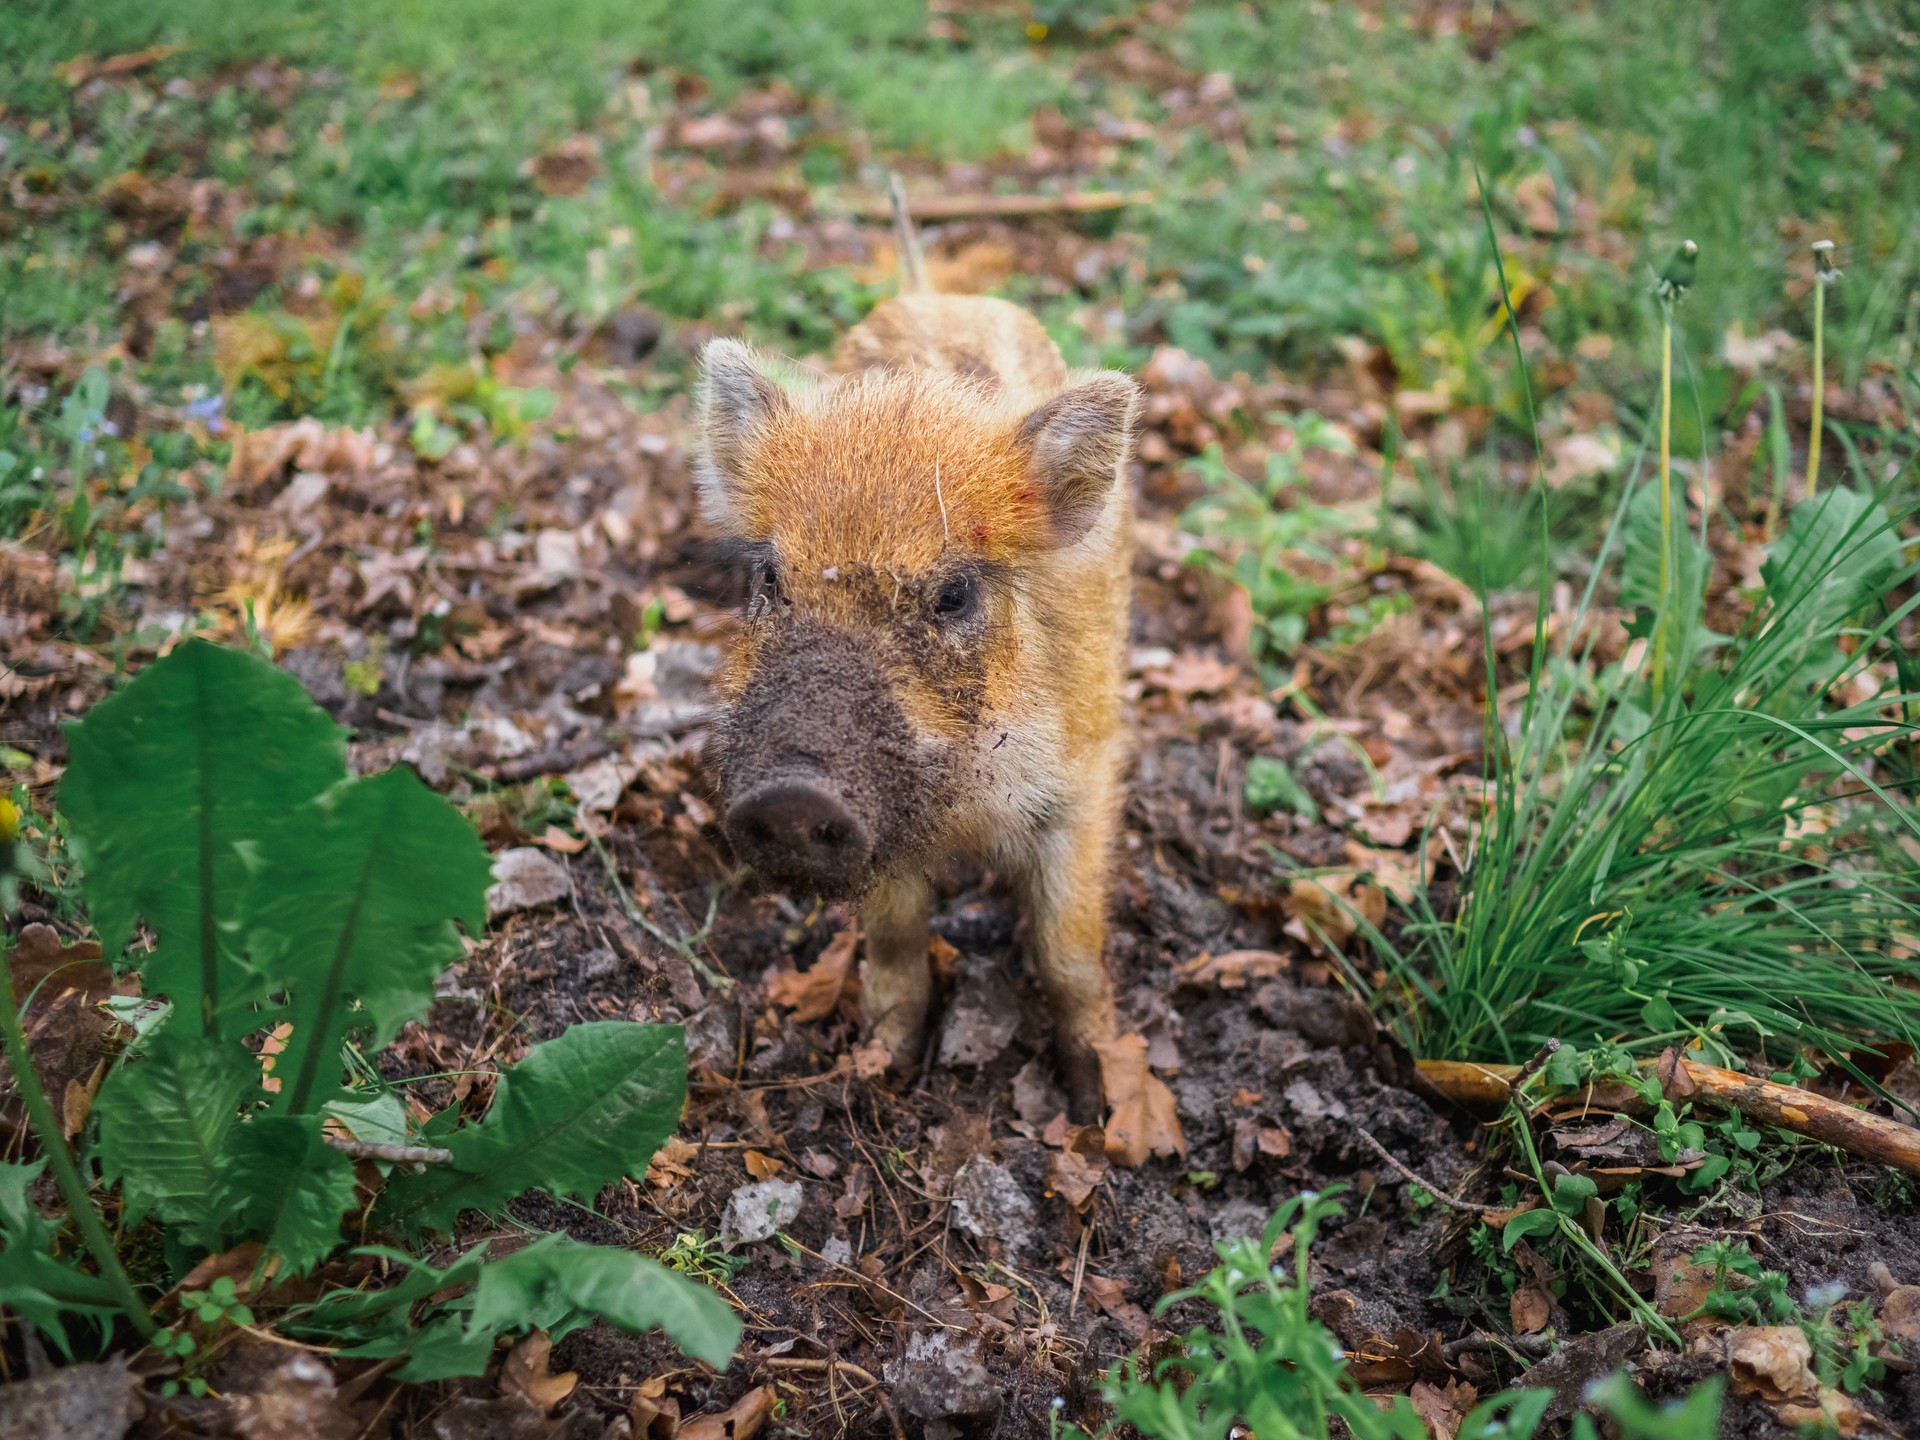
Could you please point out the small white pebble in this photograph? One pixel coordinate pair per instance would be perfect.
(832, 572)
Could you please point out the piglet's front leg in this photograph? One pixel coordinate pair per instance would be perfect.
(1066, 889)
(896, 983)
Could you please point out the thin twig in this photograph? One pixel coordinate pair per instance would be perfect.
(389, 1154)
(1453, 1202)
(1527, 1071)
(1080, 1267)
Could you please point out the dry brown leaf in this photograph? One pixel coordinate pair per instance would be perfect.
(654, 1414)
(525, 1372)
(304, 444)
(1442, 1409)
(1233, 970)
(672, 1163)
(1075, 1171)
(742, 1422)
(1327, 911)
(1190, 674)
(1110, 1298)
(1530, 1308)
(237, 1264)
(1830, 1410)
(1774, 1362)
(814, 993)
(1900, 1318)
(985, 1298)
(1142, 1119)
(569, 167)
(760, 1166)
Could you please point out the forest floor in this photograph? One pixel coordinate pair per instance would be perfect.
(443, 476)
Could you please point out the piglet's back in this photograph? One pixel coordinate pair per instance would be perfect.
(971, 335)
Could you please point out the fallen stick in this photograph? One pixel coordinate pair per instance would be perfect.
(970, 207)
(1804, 1113)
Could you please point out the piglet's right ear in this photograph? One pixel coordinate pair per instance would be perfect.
(736, 400)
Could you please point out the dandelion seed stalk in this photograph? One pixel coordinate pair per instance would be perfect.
(1671, 286)
(1823, 275)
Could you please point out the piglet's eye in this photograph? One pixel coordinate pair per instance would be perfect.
(764, 583)
(957, 598)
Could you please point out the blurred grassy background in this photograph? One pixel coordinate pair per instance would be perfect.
(1328, 196)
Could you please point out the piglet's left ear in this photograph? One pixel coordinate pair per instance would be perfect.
(1075, 445)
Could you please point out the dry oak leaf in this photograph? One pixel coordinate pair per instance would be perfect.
(525, 1373)
(761, 1167)
(814, 993)
(1142, 1119)
(741, 1422)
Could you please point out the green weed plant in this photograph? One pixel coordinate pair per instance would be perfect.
(210, 807)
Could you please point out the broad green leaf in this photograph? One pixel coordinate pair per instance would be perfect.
(1571, 1193)
(165, 1114)
(1840, 554)
(1527, 1223)
(206, 750)
(284, 1185)
(1640, 566)
(559, 1284)
(377, 1116)
(351, 916)
(577, 1113)
(36, 1285)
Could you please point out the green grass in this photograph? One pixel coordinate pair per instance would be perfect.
(1745, 127)
(1720, 857)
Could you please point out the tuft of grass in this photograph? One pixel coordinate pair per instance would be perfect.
(1704, 861)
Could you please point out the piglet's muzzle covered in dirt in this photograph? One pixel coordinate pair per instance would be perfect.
(822, 784)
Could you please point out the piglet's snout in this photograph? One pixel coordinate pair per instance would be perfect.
(821, 783)
(801, 830)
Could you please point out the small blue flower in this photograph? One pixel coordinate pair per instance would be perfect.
(209, 410)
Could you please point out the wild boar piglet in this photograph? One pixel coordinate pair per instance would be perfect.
(939, 538)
